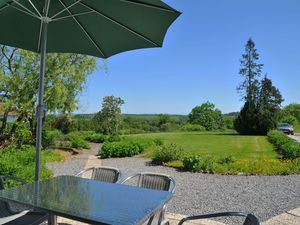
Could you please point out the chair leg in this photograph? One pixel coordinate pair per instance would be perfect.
(52, 219)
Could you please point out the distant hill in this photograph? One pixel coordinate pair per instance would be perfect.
(174, 117)
(139, 116)
(234, 114)
(154, 116)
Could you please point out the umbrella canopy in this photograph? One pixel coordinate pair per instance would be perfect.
(99, 28)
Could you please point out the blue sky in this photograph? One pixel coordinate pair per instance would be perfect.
(199, 61)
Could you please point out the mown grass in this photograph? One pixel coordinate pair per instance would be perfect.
(218, 144)
(251, 154)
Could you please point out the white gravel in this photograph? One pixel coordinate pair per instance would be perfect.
(197, 193)
(266, 196)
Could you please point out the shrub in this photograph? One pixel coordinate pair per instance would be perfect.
(113, 138)
(289, 119)
(65, 123)
(195, 163)
(119, 149)
(96, 138)
(20, 161)
(227, 159)
(48, 138)
(144, 142)
(167, 153)
(127, 146)
(192, 163)
(76, 141)
(207, 165)
(23, 134)
(192, 127)
(286, 146)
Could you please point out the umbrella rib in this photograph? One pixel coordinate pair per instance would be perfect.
(4, 7)
(66, 8)
(136, 2)
(25, 8)
(85, 31)
(47, 6)
(35, 8)
(23, 11)
(121, 25)
(66, 17)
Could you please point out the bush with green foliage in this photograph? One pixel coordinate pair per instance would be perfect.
(290, 120)
(229, 122)
(192, 163)
(192, 127)
(227, 159)
(167, 153)
(126, 147)
(65, 123)
(48, 138)
(20, 161)
(286, 146)
(23, 134)
(207, 116)
(119, 149)
(76, 141)
(96, 138)
(196, 163)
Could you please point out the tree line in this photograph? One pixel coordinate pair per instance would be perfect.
(65, 78)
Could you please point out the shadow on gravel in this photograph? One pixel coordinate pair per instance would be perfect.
(150, 164)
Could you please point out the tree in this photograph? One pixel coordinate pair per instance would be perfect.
(262, 100)
(291, 110)
(246, 122)
(19, 71)
(207, 116)
(163, 122)
(109, 118)
(269, 103)
(251, 71)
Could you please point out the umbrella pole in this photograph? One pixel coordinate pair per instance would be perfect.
(40, 110)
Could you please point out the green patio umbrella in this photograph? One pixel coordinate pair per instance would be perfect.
(99, 28)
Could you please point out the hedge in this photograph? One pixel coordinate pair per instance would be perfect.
(287, 147)
(126, 147)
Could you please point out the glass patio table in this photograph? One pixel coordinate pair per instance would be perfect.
(89, 201)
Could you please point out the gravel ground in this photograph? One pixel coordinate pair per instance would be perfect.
(196, 193)
(266, 196)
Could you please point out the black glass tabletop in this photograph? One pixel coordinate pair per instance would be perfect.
(89, 200)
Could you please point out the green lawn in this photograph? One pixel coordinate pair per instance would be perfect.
(251, 154)
(220, 144)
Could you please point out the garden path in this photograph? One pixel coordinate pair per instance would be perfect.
(268, 196)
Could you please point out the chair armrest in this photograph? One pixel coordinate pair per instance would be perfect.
(250, 218)
(83, 171)
(7, 219)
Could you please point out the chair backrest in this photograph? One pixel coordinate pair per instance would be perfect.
(250, 218)
(106, 174)
(156, 181)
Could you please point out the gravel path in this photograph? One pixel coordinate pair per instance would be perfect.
(196, 193)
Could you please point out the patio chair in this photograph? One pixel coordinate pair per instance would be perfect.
(250, 218)
(14, 214)
(155, 181)
(106, 174)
